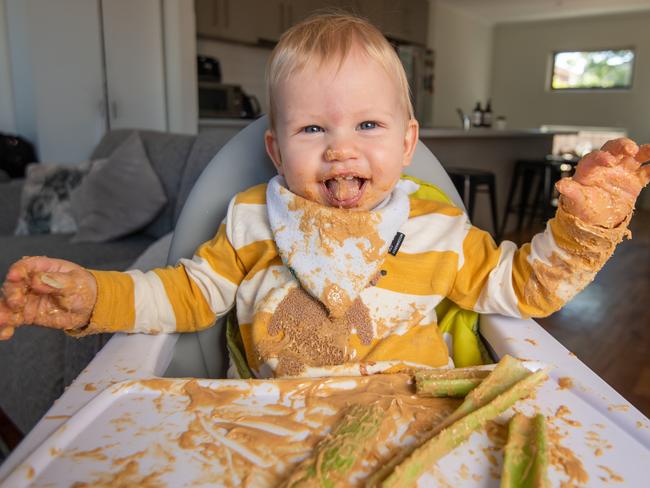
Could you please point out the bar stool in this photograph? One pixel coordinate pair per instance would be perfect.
(542, 174)
(469, 182)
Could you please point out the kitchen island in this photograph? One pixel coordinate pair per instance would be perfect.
(492, 150)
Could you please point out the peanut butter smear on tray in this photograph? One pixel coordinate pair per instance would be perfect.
(242, 437)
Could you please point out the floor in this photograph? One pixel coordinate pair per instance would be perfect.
(608, 325)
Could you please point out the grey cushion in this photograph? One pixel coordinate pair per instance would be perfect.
(37, 364)
(119, 195)
(9, 205)
(168, 154)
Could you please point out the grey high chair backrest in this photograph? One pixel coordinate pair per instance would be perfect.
(240, 164)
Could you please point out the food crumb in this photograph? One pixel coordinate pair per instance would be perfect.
(561, 413)
(619, 408)
(565, 383)
(565, 460)
(612, 475)
(531, 341)
(90, 387)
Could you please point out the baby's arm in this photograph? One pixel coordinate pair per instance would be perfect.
(537, 279)
(60, 294)
(183, 298)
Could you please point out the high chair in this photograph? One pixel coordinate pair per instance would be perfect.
(242, 163)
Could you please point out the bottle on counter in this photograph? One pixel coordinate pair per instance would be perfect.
(501, 122)
(487, 115)
(477, 115)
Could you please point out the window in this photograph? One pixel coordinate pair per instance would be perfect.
(585, 70)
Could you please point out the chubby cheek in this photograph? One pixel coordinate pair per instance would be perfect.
(303, 184)
(386, 169)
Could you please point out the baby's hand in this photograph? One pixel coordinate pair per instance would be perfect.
(606, 183)
(48, 292)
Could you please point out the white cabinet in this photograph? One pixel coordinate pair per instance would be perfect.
(135, 71)
(82, 67)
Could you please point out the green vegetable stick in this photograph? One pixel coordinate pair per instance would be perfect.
(407, 473)
(525, 461)
(335, 455)
(507, 372)
(448, 382)
(447, 388)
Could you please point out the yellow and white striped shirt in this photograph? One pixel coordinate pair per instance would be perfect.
(443, 255)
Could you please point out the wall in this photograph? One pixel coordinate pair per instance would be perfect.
(22, 80)
(241, 65)
(45, 111)
(7, 120)
(463, 56)
(179, 28)
(522, 58)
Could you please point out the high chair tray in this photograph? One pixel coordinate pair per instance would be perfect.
(183, 432)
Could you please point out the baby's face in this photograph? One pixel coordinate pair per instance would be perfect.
(342, 137)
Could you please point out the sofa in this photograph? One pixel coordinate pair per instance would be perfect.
(37, 363)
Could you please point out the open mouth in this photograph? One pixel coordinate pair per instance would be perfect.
(344, 191)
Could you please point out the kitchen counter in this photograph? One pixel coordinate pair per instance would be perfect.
(435, 132)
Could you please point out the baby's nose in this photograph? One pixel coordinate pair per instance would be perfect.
(336, 155)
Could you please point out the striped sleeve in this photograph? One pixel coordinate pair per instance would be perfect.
(184, 298)
(538, 278)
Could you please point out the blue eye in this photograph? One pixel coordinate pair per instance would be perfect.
(312, 129)
(368, 124)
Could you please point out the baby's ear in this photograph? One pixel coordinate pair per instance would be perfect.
(410, 141)
(273, 150)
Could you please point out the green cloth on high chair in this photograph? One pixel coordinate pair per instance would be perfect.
(458, 324)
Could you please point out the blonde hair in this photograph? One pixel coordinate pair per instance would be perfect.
(330, 36)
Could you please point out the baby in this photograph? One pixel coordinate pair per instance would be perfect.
(310, 260)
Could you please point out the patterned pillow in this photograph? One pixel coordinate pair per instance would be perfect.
(45, 199)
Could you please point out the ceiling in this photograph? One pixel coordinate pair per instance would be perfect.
(497, 11)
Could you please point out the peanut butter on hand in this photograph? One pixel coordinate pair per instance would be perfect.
(606, 183)
(47, 292)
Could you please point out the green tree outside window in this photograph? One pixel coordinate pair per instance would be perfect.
(610, 69)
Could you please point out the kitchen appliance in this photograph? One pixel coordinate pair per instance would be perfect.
(418, 64)
(222, 100)
(208, 69)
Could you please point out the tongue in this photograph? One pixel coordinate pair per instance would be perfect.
(344, 189)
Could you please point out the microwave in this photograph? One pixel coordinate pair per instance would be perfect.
(218, 100)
